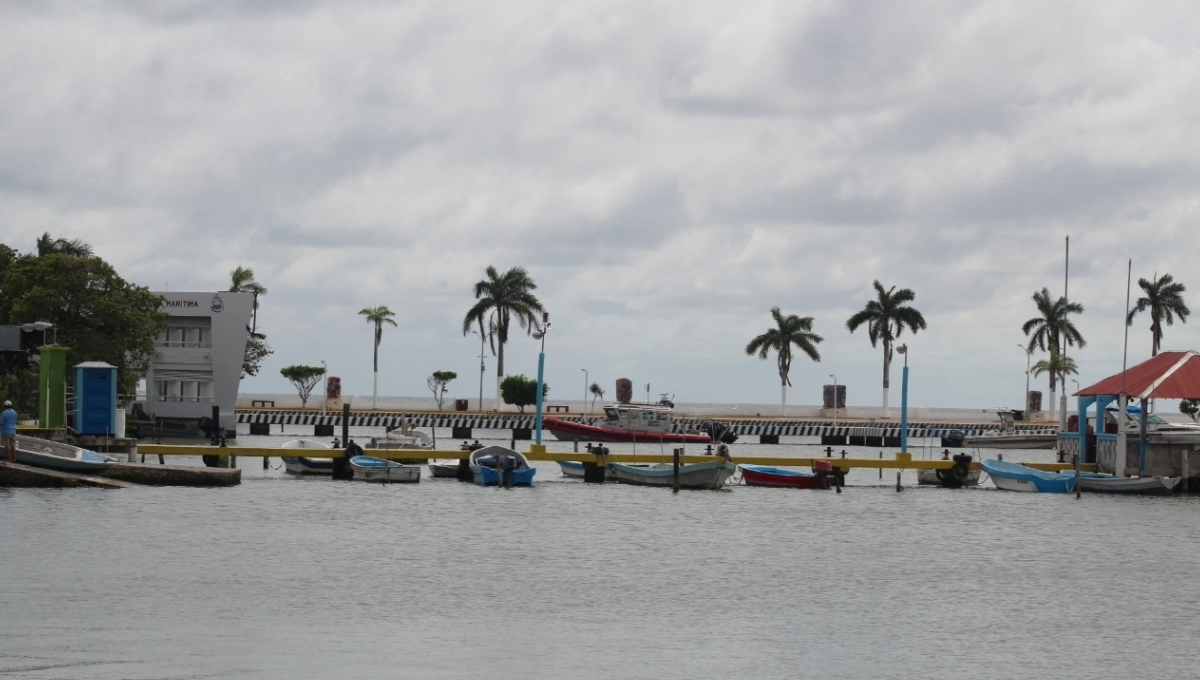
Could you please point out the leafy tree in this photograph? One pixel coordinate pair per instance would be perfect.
(304, 379)
(1164, 298)
(241, 280)
(257, 349)
(437, 382)
(1190, 407)
(597, 393)
(1051, 328)
(95, 312)
(377, 315)
(506, 297)
(789, 330)
(886, 318)
(521, 391)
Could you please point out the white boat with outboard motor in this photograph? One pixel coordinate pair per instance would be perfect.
(306, 465)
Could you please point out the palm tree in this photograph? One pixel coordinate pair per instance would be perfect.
(886, 317)
(378, 316)
(1049, 330)
(1164, 298)
(597, 393)
(241, 280)
(46, 245)
(1057, 364)
(510, 296)
(789, 330)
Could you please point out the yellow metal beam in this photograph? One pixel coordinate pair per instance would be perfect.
(902, 461)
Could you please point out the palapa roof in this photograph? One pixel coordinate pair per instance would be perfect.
(1171, 375)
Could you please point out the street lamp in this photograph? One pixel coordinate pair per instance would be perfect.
(483, 338)
(1028, 357)
(42, 326)
(835, 401)
(903, 349)
(540, 334)
(585, 388)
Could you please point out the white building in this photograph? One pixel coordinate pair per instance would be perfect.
(199, 361)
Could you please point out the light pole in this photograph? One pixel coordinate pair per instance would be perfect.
(903, 349)
(835, 401)
(483, 338)
(585, 388)
(540, 334)
(1028, 357)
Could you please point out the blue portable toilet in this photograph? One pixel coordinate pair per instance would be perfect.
(96, 399)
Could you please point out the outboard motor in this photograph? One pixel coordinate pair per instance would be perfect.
(956, 477)
(824, 471)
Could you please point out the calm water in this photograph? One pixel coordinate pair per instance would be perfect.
(308, 578)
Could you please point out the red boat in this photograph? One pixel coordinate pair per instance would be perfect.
(568, 430)
(763, 475)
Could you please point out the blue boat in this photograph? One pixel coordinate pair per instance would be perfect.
(500, 466)
(1014, 477)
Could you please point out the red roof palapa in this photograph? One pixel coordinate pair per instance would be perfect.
(1170, 375)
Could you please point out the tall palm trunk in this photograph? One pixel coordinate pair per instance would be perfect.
(375, 387)
(887, 371)
(499, 372)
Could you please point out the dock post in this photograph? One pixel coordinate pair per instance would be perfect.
(898, 487)
(341, 465)
(675, 471)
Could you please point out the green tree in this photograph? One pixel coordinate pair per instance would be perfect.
(1057, 364)
(1190, 408)
(304, 379)
(1164, 298)
(437, 382)
(597, 393)
(1051, 328)
(505, 297)
(95, 312)
(886, 318)
(521, 391)
(789, 330)
(241, 280)
(378, 315)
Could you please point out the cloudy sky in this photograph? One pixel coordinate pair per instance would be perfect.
(667, 172)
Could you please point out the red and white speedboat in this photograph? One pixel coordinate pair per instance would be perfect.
(629, 423)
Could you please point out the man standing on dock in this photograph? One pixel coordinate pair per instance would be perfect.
(8, 431)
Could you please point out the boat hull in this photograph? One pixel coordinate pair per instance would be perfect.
(369, 469)
(59, 456)
(444, 470)
(1139, 486)
(930, 478)
(763, 475)
(694, 476)
(305, 465)
(1012, 441)
(565, 430)
(1013, 477)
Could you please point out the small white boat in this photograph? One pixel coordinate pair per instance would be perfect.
(444, 470)
(370, 469)
(1009, 437)
(401, 438)
(1143, 486)
(305, 465)
(60, 456)
(500, 466)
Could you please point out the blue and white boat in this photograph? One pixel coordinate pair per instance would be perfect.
(1100, 482)
(1015, 477)
(371, 469)
(500, 466)
(306, 465)
(691, 476)
(59, 456)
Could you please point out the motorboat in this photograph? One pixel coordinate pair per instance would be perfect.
(401, 438)
(1098, 482)
(305, 465)
(765, 475)
(60, 456)
(638, 422)
(1008, 436)
(707, 475)
(500, 466)
(371, 469)
(1016, 477)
